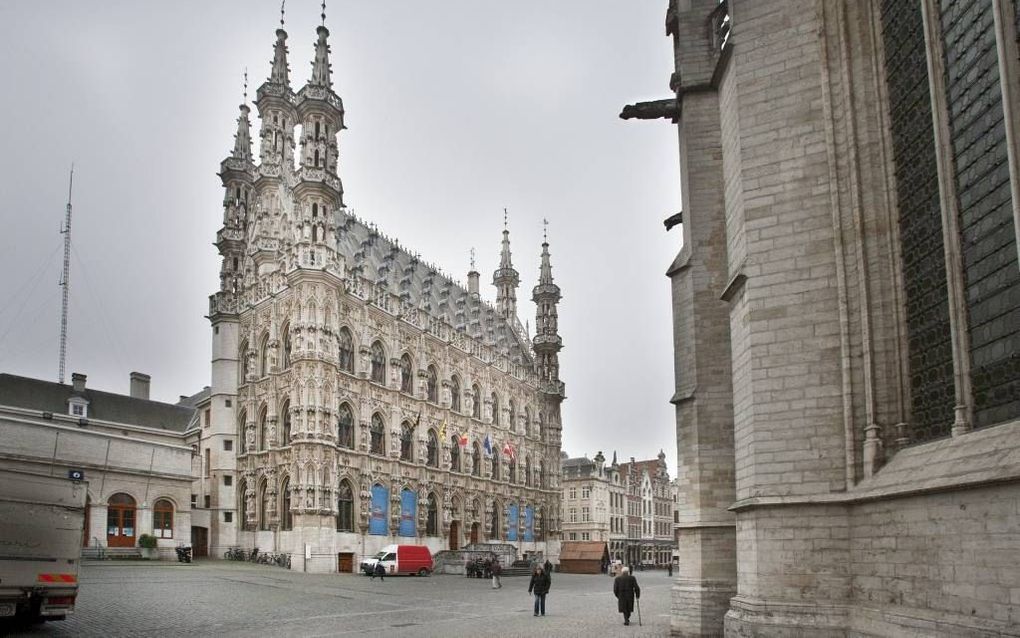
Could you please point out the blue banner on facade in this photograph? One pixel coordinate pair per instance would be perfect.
(512, 523)
(408, 512)
(529, 523)
(378, 517)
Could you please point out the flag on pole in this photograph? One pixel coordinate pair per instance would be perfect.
(462, 440)
(509, 452)
(442, 431)
(487, 445)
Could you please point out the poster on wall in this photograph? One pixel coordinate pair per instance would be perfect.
(408, 511)
(512, 523)
(378, 517)
(529, 523)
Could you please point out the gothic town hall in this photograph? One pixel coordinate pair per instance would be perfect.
(372, 399)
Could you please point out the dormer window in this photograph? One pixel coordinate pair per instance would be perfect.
(78, 407)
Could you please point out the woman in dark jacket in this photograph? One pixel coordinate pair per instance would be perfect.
(626, 589)
(539, 585)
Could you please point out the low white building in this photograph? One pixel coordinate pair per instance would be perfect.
(132, 451)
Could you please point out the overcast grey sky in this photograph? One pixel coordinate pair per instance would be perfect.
(455, 108)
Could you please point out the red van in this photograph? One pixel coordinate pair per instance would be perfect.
(401, 559)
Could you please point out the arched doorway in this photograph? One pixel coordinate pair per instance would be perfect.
(454, 535)
(120, 521)
(474, 533)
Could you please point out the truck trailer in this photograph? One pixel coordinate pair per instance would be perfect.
(42, 522)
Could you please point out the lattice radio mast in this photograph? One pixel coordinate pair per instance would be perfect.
(65, 279)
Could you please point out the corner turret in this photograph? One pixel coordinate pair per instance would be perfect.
(506, 279)
(547, 342)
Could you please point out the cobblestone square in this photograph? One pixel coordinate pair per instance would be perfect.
(237, 599)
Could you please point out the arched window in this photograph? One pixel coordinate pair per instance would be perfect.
(345, 427)
(286, 519)
(241, 434)
(345, 508)
(512, 469)
(432, 517)
(513, 416)
(163, 519)
(378, 432)
(476, 408)
(476, 459)
(495, 409)
(455, 453)
(455, 393)
(285, 437)
(496, 474)
(432, 385)
(264, 355)
(432, 449)
(406, 379)
(263, 433)
(527, 471)
(263, 505)
(345, 354)
(242, 352)
(242, 504)
(407, 441)
(286, 348)
(378, 363)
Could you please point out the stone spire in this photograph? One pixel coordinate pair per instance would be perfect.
(242, 139)
(505, 278)
(321, 66)
(281, 70)
(547, 342)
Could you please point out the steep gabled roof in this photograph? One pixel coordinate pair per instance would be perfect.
(384, 262)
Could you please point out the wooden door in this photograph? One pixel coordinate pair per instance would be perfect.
(345, 563)
(199, 542)
(88, 519)
(121, 520)
(455, 535)
(474, 533)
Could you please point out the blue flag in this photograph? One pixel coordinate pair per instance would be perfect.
(487, 445)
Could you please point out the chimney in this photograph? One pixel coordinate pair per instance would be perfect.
(473, 277)
(78, 382)
(139, 386)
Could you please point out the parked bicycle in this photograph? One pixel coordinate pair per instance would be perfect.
(235, 553)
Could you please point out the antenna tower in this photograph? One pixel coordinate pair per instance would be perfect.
(65, 279)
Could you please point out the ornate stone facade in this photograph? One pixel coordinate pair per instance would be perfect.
(363, 386)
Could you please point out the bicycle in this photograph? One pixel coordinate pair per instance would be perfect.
(234, 553)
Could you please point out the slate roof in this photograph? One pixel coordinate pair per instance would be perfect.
(576, 467)
(384, 262)
(47, 396)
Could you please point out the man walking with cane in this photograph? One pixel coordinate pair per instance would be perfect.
(626, 590)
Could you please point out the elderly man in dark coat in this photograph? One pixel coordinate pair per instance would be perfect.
(626, 589)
